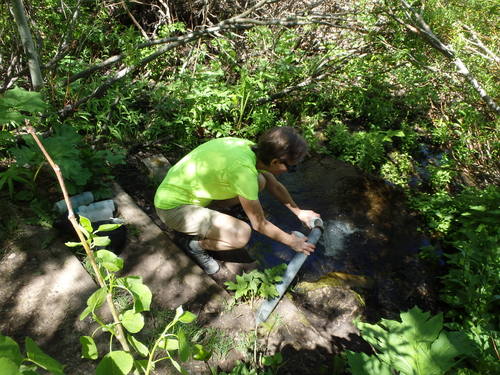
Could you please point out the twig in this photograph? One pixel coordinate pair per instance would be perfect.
(495, 347)
(72, 218)
(135, 21)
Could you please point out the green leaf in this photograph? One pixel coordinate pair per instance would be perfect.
(362, 364)
(142, 294)
(448, 346)
(241, 293)
(132, 321)
(184, 349)
(89, 348)
(169, 344)
(8, 367)
(415, 346)
(7, 117)
(420, 327)
(73, 244)
(94, 302)
(21, 99)
(36, 355)
(478, 208)
(16, 100)
(187, 317)
(86, 224)
(115, 363)
(10, 349)
(138, 346)
(272, 360)
(101, 241)
(231, 285)
(200, 354)
(178, 367)
(108, 227)
(109, 260)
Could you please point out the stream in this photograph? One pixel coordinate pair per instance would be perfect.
(369, 232)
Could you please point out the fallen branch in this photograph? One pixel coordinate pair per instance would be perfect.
(478, 43)
(72, 218)
(87, 72)
(423, 29)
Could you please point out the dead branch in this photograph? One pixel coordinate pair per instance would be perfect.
(239, 22)
(94, 68)
(424, 30)
(72, 218)
(478, 43)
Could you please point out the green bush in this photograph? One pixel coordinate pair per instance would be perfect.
(80, 166)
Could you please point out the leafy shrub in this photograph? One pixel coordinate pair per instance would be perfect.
(80, 166)
(365, 149)
(168, 342)
(468, 225)
(398, 168)
(471, 285)
(248, 286)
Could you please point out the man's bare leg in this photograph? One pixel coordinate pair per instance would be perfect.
(226, 233)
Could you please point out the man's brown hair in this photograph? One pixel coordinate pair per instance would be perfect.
(283, 143)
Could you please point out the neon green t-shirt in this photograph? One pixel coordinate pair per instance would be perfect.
(218, 169)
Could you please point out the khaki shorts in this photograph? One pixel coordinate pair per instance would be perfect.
(189, 219)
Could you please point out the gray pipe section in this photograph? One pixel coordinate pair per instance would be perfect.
(293, 267)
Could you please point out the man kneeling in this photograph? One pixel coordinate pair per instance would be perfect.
(229, 171)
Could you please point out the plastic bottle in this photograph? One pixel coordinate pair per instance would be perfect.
(76, 201)
(97, 211)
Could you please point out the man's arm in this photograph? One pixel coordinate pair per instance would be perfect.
(280, 192)
(255, 213)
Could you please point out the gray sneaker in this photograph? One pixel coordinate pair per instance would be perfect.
(209, 264)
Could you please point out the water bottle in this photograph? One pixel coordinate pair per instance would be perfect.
(76, 201)
(97, 211)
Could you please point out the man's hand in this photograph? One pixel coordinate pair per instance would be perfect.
(307, 217)
(300, 245)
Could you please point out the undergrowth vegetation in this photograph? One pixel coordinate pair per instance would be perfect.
(363, 84)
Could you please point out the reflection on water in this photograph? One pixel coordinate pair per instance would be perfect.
(334, 236)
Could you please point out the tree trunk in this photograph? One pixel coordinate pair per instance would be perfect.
(29, 48)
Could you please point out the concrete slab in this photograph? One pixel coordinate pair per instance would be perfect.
(172, 276)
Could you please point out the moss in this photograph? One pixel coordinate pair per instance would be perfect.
(336, 279)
